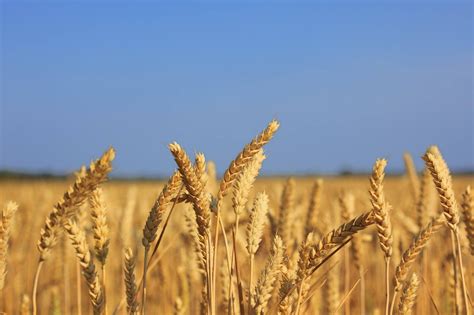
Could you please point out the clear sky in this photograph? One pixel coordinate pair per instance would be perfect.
(349, 81)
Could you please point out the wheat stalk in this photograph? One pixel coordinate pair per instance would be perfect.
(78, 240)
(382, 220)
(443, 182)
(201, 203)
(408, 297)
(87, 180)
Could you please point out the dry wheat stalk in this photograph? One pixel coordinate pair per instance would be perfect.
(412, 175)
(130, 284)
(408, 297)
(5, 226)
(201, 203)
(243, 184)
(382, 220)
(467, 206)
(78, 240)
(269, 277)
(286, 208)
(99, 225)
(249, 151)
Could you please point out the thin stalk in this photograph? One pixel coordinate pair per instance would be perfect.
(216, 247)
(463, 281)
(387, 285)
(239, 282)
(300, 294)
(78, 289)
(251, 281)
(35, 286)
(67, 302)
(347, 279)
(455, 269)
(393, 302)
(362, 291)
(347, 296)
(145, 269)
(103, 288)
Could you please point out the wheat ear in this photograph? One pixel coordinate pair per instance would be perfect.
(468, 216)
(130, 283)
(5, 227)
(269, 277)
(99, 225)
(255, 232)
(314, 205)
(338, 236)
(286, 208)
(249, 151)
(78, 240)
(408, 297)
(85, 184)
(25, 305)
(422, 201)
(243, 185)
(412, 175)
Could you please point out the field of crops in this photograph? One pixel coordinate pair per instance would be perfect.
(239, 244)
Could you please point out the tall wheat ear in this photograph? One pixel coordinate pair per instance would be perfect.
(5, 226)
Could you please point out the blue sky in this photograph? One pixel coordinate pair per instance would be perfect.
(349, 81)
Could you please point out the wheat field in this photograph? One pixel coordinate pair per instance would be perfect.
(239, 244)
